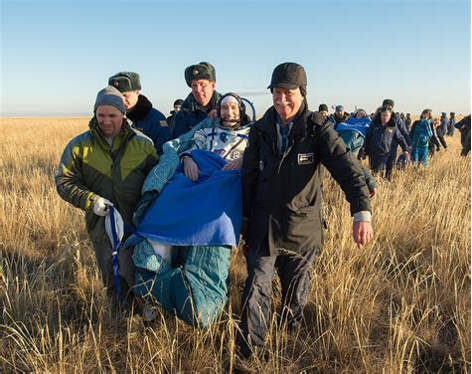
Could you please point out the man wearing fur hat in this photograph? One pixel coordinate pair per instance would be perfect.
(139, 109)
(281, 182)
(102, 167)
(201, 102)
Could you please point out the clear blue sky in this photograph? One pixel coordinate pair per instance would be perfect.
(56, 55)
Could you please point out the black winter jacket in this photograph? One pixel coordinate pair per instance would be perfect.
(282, 193)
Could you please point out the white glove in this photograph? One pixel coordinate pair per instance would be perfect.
(100, 207)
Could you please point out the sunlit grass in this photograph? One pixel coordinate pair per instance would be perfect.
(401, 304)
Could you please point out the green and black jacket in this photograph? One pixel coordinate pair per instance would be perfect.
(90, 166)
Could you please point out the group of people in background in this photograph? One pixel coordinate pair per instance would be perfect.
(419, 139)
(381, 132)
(188, 188)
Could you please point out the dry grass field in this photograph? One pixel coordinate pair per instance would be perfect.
(400, 304)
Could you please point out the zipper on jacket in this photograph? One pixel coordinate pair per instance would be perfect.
(284, 156)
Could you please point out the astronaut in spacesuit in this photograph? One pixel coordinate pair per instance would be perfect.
(227, 136)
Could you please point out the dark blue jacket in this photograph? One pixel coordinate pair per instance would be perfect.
(191, 114)
(408, 123)
(451, 125)
(403, 130)
(443, 127)
(171, 120)
(379, 138)
(150, 121)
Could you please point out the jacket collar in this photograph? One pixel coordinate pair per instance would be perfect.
(140, 110)
(190, 104)
(377, 121)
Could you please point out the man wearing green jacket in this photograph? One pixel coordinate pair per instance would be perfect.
(106, 166)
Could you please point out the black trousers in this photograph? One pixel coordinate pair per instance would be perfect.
(392, 159)
(294, 270)
(378, 163)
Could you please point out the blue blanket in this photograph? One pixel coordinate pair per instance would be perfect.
(205, 212)
(354, 124)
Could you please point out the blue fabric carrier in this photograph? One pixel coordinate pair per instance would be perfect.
(174, 209)
(353, 132)
(359, 125)
(205, 212)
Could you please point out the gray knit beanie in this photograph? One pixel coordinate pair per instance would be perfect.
(110, 96)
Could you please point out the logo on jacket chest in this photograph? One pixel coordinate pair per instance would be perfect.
(306, 158)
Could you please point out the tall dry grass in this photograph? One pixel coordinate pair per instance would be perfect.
(401, 304)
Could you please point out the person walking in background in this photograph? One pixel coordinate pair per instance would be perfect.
(466, 148)
(402, 117)
(392, 158)
(202, 100)
(408, 122)
(464, 127)
(171, 119)
(451, 124)
(340, 115)
(443, 126)
(103, 167)
(382, 132)
(139, 109)
(436, 140)
(323, 110)
(421, 133)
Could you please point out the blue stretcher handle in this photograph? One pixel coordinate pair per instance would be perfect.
(115, 249)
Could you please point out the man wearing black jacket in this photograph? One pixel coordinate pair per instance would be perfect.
(282, 201)
(392, 158)
(464, 127)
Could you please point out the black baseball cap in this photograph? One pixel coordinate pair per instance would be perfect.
(288, 75)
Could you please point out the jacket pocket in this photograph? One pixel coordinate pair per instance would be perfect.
(304, 230)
